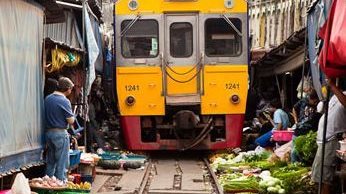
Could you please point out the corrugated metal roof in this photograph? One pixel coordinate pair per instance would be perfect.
(95, 6)
(66, 32)
(54, 11)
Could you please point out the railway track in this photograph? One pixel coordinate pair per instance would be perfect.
(179, 175)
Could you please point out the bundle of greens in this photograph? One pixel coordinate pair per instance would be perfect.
(269, 184)
(257, 157)
(305, 147)
(237, 182)
(291, 176)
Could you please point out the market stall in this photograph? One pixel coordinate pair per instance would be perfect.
(260, 171)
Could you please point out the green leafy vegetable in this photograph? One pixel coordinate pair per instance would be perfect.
(237, 183)
(306, 147)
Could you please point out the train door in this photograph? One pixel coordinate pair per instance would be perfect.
(181, 61)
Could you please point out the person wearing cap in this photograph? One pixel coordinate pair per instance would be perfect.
(58, 115)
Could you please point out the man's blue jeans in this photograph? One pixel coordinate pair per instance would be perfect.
(58, 153)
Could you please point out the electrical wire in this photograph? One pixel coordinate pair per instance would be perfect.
(185, 81)
(170, 68)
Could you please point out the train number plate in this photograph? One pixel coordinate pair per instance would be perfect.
(130, 88)
(232, 86)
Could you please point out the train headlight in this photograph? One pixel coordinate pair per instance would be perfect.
(130, 100)
(235, 99)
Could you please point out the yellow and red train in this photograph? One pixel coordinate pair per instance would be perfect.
(181, 72)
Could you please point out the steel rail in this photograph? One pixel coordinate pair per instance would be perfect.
(144, 182)
(218, 188)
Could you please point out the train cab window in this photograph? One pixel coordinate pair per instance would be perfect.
(181, 42)
(221, 40)
(140, 39)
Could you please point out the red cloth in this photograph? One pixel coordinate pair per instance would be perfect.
(333, 55)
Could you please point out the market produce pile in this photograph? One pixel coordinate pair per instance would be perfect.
(260, 172)
(80, 186)
(47, 182)
(52, 183)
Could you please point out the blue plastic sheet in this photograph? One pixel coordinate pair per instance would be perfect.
(93, 51)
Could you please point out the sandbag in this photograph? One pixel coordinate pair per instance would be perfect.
(20, 185)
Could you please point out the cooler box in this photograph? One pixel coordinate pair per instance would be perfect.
(74, 157)
(282, 135)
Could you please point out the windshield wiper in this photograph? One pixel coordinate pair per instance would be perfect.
(231, 24)
(129, 26)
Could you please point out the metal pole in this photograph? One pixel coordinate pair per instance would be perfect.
(86, 70)
(326, 107)
(303, 71)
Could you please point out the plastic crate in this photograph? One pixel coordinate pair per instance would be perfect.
(75, 157)
(64, 191)
(282, 135)
(46, 191)
(87, 178)
(74, 191)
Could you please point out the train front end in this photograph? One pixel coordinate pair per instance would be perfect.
(181, 73)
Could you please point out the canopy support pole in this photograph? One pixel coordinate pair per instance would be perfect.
(326, 107)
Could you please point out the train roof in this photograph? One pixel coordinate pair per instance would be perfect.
(130, 7)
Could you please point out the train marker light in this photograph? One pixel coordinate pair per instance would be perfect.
(229, 4)
(133, 5)
(130, 100)
(235, 99)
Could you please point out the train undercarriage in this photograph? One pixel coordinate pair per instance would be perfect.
(182, 129)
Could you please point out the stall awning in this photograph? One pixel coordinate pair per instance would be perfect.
(288, 56)
(50, 43)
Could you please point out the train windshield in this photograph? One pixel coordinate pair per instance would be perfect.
(141, 40)
(221, 40)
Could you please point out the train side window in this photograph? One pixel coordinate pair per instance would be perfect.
(181, 40)
(141, 39)
(220, 39)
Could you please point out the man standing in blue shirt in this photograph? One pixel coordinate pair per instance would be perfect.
(58, 115)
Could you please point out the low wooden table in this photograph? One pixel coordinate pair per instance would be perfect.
(341, 172)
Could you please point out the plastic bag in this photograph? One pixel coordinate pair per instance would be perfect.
(333, 56)
(306, 88)
(20, 185)
(283, 150)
